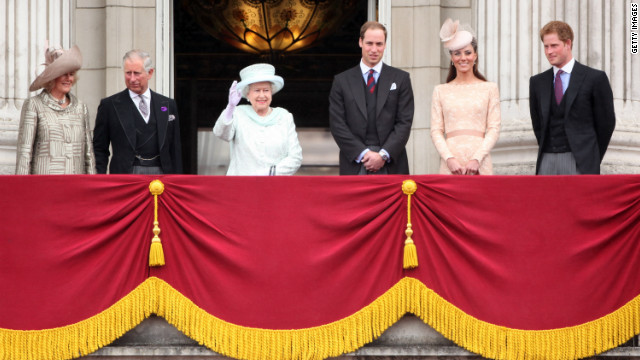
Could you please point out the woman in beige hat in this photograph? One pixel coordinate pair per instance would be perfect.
(263, 139)
(465, 112)
(54, 136)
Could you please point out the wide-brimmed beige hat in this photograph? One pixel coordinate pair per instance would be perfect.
(259, 73)
(453, 36)
(58, 62)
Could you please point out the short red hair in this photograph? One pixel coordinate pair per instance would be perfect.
(561, 28)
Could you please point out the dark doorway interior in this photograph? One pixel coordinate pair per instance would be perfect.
(206, 67)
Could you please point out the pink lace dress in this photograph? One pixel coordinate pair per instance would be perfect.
(465, 123)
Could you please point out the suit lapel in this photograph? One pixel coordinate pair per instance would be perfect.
(122, 104)
(383, 87)
(356, 84)
(161, 109)
(575, 82)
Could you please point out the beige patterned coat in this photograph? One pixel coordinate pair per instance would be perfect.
(54, 140)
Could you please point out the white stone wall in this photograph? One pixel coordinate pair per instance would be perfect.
(106, 30)
(103, 30)
(511, 52)
(28, 24)
(416, 47)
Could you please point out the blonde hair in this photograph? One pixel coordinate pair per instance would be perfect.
(51, 84)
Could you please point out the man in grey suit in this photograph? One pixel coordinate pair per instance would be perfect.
(371, 110)
(141, 126)
(571, 109)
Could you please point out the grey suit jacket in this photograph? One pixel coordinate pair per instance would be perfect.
(394, 116)
(115, 126)
(589, 116)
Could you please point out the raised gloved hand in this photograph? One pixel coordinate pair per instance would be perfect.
(234, 99)
(234, 95)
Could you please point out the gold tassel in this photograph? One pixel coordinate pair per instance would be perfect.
(156, 254)
(409, 187)
(410, 254)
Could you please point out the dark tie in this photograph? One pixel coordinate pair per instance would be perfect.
(558, 87)
(371, 82)
(143, 106)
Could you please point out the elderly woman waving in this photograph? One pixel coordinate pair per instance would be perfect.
(263, 139)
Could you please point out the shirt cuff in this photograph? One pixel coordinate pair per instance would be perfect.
(359, 159)
(384, 153)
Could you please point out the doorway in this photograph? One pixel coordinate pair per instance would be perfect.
(205, 67)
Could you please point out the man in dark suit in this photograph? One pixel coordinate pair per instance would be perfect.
(371, 110)
(571, 109)
(141, 126)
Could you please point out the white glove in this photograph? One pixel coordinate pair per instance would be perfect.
(234, 99)
(234, 95)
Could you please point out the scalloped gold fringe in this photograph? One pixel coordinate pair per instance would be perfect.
(155, 296)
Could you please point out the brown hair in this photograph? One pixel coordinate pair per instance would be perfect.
(558, 27)
(372, 25)
(452, 69)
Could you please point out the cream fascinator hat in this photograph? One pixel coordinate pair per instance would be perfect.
(259, 73)
(58, 62)
(453, 36)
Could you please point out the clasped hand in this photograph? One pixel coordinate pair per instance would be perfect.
(372, 161)
(472, 167)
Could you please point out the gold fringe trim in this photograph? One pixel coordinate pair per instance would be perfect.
(333, 339)
(81, 338)
(498, 342)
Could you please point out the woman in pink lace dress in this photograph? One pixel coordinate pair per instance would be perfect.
(465, 111)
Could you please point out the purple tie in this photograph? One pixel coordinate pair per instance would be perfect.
(371, 82)
(558, 87)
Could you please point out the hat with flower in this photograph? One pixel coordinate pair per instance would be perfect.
(57, 63)
(453, 37)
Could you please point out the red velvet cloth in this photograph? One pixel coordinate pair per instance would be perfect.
(294, 252)
(70, 246)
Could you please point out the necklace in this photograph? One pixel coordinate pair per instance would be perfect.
(59, 101)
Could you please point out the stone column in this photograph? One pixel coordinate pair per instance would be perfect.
(510, 51)
(29, 23)
(106, 30)
(128, 24)
(415, 47)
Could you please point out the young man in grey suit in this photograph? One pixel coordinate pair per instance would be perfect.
(141, 126)
(371, 110)
(571, 109)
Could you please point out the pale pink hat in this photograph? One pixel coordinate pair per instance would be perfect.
(453, 36)
(58, 62)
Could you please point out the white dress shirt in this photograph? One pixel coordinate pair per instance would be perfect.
(566, 76)
(136, 100)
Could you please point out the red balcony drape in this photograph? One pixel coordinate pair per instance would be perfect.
(311, 267)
